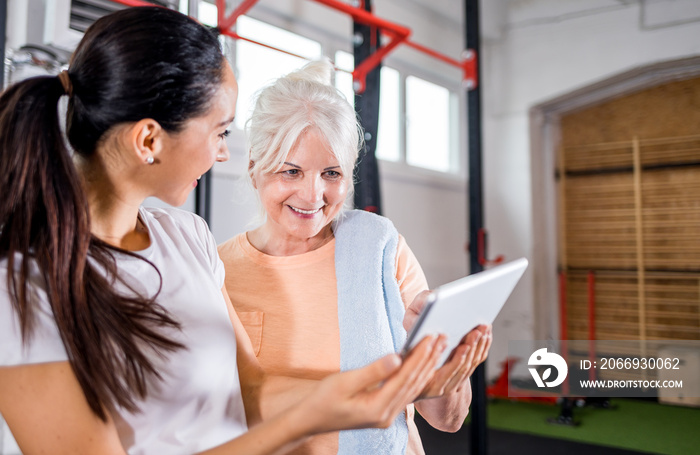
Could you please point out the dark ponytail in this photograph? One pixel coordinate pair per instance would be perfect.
(133, 64)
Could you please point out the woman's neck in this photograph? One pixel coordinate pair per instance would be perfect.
(114, 215)
(270, 242)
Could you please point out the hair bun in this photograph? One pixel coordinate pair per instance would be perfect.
(316, 71)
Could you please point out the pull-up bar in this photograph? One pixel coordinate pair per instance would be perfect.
(397, 33)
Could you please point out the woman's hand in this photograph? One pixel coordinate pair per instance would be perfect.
(414, 310)
(374, 395)
(463, 360)
(454, 375)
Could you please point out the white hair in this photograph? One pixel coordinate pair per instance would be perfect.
(294, 103)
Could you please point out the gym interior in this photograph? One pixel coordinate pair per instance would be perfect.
(565, 132)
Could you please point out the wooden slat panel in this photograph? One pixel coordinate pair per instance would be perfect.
(631, 213)
(668, 110)
(599, 220)
(671, 218)
(590, 160)
(639, 237)
(672, 305)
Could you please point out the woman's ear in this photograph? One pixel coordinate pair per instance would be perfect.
(251, 165)
(147, 140)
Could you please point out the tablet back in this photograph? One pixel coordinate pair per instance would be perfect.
(461, 305)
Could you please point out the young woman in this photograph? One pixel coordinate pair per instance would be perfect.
(116, 335)
(320, 289)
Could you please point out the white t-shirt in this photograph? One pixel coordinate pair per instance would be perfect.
(198, 404)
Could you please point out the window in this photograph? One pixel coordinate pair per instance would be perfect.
(429, 131)
(389, 128)
(345, 63)
(417, 118)
(431, 112)
(389, 112)
(206, 13)
(258, 66)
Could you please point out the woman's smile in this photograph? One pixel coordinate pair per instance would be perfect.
(310, 213)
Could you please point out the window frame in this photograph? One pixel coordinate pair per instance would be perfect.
(330, 44)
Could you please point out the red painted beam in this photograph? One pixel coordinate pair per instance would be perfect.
(591, 322)
(398, 34)
(134, 3)
(225, 23)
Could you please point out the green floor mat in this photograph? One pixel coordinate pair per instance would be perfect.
(631, 424)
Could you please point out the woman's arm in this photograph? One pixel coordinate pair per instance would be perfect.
(368, 397)
(47, 412)
(445, 402)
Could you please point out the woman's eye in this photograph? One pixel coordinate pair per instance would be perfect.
(291, 172)
(333, 174)
(225, 134)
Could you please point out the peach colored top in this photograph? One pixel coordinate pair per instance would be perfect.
(289, 307)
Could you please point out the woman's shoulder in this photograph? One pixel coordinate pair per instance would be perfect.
(234, 248)
(176, 222)
(361, 219)
(179, 226)
(44, 343)
(234, 242)
(172, 215)
(362, 223)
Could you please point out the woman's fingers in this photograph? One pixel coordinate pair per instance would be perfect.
(348, 400)
(472, 350)
(478, 352)
(487, 347)
(414, 310)
(417, 370)
(417, 363)
(467, 369)
(427, 371)
(445, 374)
(373, 374)
(376, 394)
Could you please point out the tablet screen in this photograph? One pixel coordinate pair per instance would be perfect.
(455, 308)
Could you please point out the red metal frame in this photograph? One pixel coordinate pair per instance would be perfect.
(481, 250)
(225, 23)
(563, 334)
(134, 3)
(398, 34)
(502, 389)
(468, 65)
(235, 35)
(562, 306)
(591, 322)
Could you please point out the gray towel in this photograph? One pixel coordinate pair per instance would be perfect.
(370, 314)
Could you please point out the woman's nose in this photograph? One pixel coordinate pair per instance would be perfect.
(312, 190)
(223, 154)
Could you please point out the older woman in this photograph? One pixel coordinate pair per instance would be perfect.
(320, 289)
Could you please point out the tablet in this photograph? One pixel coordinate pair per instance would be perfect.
(455, 308)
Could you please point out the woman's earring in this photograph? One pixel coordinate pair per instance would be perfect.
(150, 160)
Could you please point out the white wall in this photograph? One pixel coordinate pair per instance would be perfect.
(548, 48)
